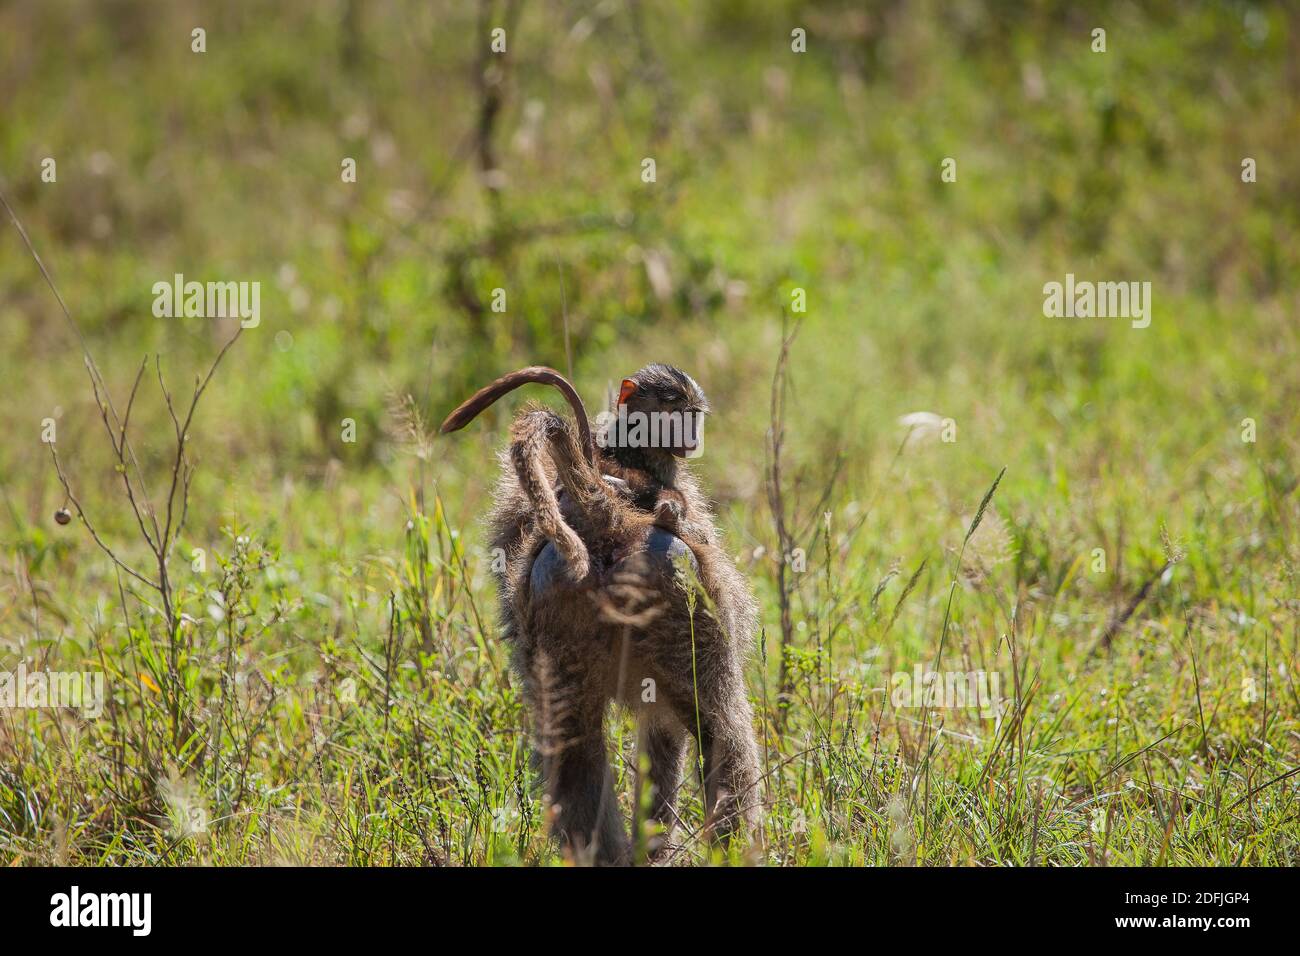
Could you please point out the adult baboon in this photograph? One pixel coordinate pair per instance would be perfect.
(615, 588)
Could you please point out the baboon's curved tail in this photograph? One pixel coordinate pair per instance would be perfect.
(469, 409)
(542, 434)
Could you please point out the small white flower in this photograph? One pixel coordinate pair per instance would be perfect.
(921, 426)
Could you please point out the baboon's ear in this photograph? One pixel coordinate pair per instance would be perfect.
(627, 391)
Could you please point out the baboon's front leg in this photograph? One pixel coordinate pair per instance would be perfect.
(731, 766)
(726, 740)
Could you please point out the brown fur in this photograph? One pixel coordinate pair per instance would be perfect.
(619, 619)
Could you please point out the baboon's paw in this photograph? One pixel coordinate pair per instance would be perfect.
(669, 514)
(577, 565)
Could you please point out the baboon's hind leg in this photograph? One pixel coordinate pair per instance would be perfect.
(664, 741)
(569, 709)
(725, 732)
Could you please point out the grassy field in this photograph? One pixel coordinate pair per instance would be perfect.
(305, 666)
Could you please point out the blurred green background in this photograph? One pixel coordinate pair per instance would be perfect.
(775, 170)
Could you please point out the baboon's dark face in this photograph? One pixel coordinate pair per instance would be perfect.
(670, 398)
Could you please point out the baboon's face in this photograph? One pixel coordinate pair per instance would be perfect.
(675, 398)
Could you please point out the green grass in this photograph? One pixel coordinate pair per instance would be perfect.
(335, 689)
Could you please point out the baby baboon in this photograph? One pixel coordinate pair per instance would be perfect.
(585, 530)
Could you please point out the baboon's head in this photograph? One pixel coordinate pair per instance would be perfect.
(671, 405)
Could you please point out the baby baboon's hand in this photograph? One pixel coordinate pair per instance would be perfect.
(618, 484)
(669, 514)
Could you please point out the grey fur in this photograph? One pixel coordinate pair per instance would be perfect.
(614, 618)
